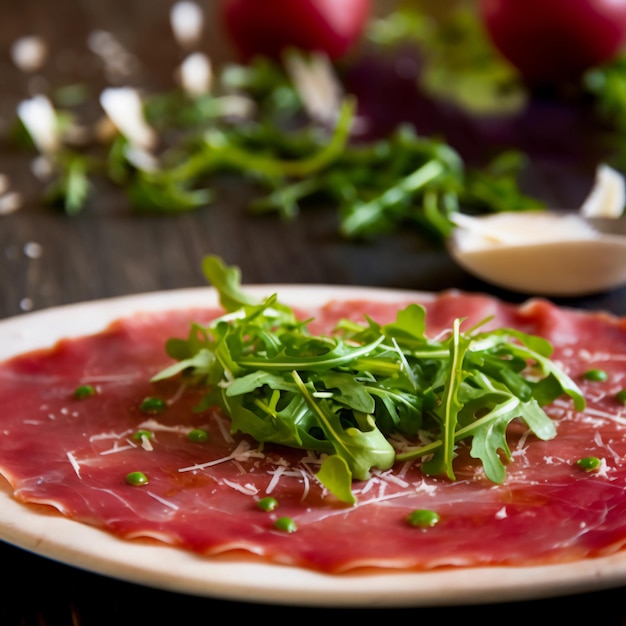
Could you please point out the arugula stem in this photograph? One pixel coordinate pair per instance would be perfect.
(314, 362)
(232, 156)
(363, 215)
(462, 433)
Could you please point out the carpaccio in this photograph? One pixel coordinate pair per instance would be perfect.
(74, 455)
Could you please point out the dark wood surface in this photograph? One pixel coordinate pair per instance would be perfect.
(109, 250)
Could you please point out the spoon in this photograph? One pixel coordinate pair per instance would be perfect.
(545, 253)
(550, 253)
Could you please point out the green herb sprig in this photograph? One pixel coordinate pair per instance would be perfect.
(344, 395)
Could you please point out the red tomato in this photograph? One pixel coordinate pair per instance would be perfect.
(550, 40)
(267, 27)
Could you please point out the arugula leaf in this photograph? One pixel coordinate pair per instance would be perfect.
(227, 281)
(335, 475)
(488, 440)
(441, 462)
(344, 395)
(72, 187)
(361, 446)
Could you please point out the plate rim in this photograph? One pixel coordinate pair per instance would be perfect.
(49, 534)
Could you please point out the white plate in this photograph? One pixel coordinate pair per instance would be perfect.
(49, 534)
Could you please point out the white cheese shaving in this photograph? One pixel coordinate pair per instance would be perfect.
(303, 475)
(124, 108)
(146, 444)
(29, 53)
(117, 447)
(195, 74)
(424, 487)
(109, 435)
(141, 158)
(307, 486)
(223, 427)
(177, 395)
(74, 463)
(241, 452)
(154, 425)
(602, 471)
(608, 195)
(276, 474)
(187, 21)
(163, 501)
(248, 489)
(606, 199)
(39, 117)
(119, 63)
(390, 477)
(368, 486)
(381, 497)
(317, 85)
(515, 228)
(606, 415)
(588, 356)
(11, 202)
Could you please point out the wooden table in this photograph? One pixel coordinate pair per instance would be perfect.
(109, 250)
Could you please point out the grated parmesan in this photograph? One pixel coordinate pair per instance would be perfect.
(74, 463)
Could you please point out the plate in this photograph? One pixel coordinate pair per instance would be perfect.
(46, 533)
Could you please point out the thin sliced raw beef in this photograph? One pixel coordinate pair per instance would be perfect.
(74, 455)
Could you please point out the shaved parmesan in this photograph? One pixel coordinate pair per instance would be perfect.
(74, 463)
(39, 117)
(29, 53)
(119, 63)
(187, 21)
(317, 85)
(163, 501)
(608, 195)
(247, 489)
(10, 202)
(124, 108)
(195, 74)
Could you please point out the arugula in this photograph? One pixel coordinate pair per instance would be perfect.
(253, 124)
(344, 395)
